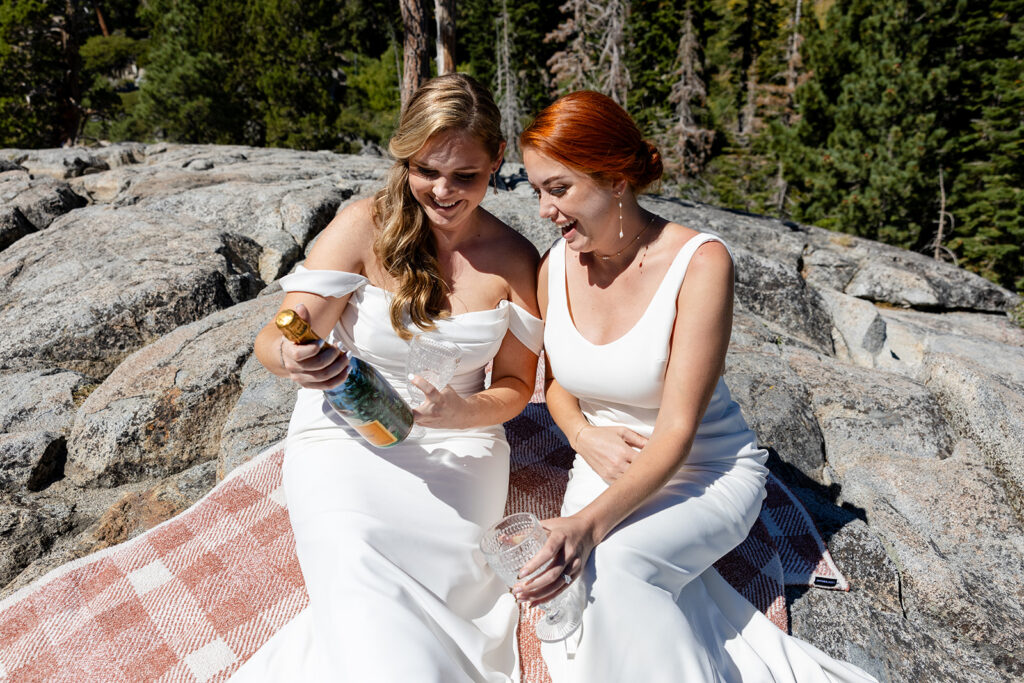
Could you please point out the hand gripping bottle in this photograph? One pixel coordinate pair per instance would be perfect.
(366, 401)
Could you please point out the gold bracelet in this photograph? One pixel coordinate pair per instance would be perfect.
(576, 438)
(281, 351)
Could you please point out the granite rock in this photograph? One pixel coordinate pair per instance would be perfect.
(888, 387)
(163, 408)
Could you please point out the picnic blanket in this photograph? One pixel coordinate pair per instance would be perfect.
(194, 597)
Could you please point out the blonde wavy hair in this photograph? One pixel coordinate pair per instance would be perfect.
(404, 243)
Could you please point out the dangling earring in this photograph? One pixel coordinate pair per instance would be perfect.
(620, 218)
(494, 181)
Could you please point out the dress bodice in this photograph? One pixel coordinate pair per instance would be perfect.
(621, 382)
(365, 328)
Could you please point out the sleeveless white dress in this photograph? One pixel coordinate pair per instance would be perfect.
(656, 609)
(387, 538)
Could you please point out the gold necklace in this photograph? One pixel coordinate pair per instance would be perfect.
(619, 252)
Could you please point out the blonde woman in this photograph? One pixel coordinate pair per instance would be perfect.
(386, 538)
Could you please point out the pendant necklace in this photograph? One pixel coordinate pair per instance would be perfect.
(619, 252)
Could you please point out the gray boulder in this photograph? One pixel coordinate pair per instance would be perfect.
(885, 415)
(168, 170)
(28, 530)
(13, 226)
(259, 418)
(61, 163)
(38, 412)
(989, 412)
(38, 200)
(30, 460)
(163, 408)
(879, 272)
(777, 407)
(101, 282)
(280, 218)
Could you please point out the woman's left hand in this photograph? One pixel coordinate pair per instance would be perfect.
(570, 542)
(441, 408)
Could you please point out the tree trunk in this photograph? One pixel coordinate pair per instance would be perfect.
(103, 22)
(417, 64)
(444, 11)
(506, 86)
(71, 119)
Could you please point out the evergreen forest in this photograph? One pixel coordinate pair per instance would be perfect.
(899, 121)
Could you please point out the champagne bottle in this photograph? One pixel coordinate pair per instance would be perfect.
(366, 401)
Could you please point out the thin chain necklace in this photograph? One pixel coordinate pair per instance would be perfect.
(619, 252)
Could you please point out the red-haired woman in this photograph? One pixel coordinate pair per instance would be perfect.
(668, 477)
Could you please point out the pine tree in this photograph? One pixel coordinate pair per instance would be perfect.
(744, 56)
(198, 88)
(911, 130)
(864, 157)
(688, 146)
(525, 87)
(614, 79)
(40, 89)
(571, 67)
(109, 76)
(595, 50)
(986, 201)
(654, 33)
(506, 86)
(30, 74)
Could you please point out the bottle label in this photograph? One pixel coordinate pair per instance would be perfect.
(376, 433)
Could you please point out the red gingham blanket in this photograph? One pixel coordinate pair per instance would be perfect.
(194, 597)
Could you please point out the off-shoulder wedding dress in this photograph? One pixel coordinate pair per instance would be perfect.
(387, 538)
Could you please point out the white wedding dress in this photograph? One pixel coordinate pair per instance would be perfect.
(387, 538)
(656, 610)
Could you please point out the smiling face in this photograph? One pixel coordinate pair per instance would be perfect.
(584, 210)
(448, 176)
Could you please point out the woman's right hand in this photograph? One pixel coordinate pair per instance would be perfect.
(608, 450)
(313, 366)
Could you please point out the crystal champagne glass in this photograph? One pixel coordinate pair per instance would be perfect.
(434, 360)
(508, 545)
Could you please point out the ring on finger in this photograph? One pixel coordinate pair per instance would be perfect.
(566, 578)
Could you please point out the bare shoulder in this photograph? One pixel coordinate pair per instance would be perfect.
(675, 235)
(709, 275)
(712, 255)
(542, 269)
(713, 258)
(347, 241)
(512, 255)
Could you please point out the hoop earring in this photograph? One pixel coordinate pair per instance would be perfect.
(620, 219)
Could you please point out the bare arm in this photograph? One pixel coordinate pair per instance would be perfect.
(343, 245)
(697, 355)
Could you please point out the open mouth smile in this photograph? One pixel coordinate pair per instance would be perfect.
(441, 205)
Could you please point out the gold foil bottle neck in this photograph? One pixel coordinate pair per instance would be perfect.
(294, 328)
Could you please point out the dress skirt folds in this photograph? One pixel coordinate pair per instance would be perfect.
(387, 538)
(656, 610)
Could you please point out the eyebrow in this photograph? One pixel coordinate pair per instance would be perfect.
(549, 181)
(463, 169)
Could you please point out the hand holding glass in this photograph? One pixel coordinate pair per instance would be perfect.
(508, 546)
(435, 361)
